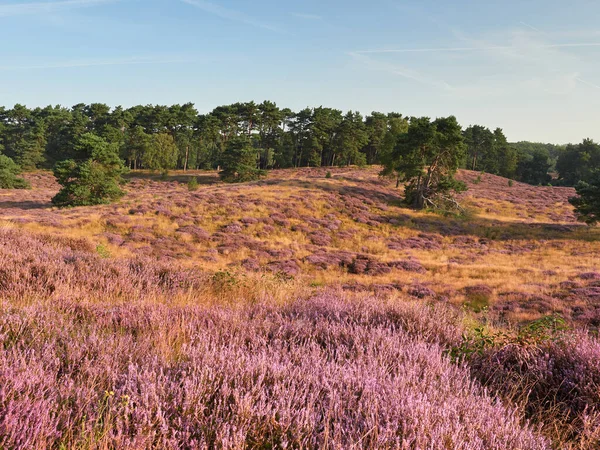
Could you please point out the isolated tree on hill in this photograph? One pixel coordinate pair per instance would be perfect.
(587, 203)
(93, 177)
(426, 158)
(9, 175)
(238, 162)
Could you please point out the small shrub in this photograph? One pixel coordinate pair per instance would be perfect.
(492, 233)
(328, 174)
(467, 214)
(283, 277)
(477, 297)
(473, 343)
(193, 184)
(224, 280)
(102, 251)
(480, 340)
(511, 183)
(549, 328)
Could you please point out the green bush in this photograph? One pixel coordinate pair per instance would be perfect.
(477, 342)
(224, 280)
(102, 251)
(587, 202)
(238, 162)
(93, 178)
(9, 172)
(193, 184)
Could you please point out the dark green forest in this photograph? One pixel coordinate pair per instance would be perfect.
(251, 138)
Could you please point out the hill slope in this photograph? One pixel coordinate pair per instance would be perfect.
(523, 245)
(301, 311)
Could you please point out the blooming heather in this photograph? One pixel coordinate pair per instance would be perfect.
(322, 373)
(85, 363)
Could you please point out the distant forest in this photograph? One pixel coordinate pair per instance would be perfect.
(178, 137)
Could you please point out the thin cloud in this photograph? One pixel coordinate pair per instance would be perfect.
(134, 60)
(402, 71)
(229, 14)
(35, 8)
(307, 16)
(530, 27)
(481, 48)
(587, 83)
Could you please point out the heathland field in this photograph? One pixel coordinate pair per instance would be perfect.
(307, 310)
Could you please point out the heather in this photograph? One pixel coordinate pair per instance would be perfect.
(550, 372)
(303, 311)
(523, 244)
(319, 373)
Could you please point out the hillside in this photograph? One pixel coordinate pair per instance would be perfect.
(300, 311)
(522, 245)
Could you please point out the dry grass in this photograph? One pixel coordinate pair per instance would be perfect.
(298, 235)
(522, 241)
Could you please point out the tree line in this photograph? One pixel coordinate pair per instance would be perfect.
(95, 143)
(160, 137)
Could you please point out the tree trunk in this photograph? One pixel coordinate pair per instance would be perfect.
(420, 200)
(187, 155)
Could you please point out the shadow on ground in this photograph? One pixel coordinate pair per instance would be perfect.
(25, 205)
(499, 230)
(203, 178)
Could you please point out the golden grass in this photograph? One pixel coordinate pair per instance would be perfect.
(449, 268)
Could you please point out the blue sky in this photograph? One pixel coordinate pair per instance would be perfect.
(531, 67)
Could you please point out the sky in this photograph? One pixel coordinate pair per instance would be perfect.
(530, 67)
